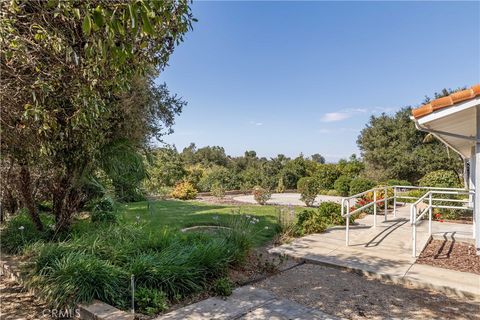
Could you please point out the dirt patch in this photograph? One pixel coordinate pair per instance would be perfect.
(228, 199)
(351, 296)
(452, 255)
(16, 303)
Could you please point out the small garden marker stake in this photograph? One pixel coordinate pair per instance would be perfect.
(132, 282)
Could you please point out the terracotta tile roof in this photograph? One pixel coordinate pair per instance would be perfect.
(447, 101)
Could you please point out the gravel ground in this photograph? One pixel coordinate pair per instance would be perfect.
(451, 255)
(17, 304)
(348, 295)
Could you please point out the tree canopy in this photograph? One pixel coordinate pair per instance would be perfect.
(78, 77)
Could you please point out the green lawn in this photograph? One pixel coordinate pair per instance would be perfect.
(180, 214)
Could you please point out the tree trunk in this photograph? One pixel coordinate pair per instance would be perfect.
(66, 201)
(25, 187)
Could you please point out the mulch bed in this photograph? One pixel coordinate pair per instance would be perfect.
(452, 255)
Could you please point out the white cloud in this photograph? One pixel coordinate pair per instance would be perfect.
(256, 123)
(348, 113)
(335, 116)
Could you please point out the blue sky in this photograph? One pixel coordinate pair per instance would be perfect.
(292, 77)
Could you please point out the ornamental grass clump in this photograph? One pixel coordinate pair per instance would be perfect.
(166, 265)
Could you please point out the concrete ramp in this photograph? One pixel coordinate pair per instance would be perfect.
(386, 251)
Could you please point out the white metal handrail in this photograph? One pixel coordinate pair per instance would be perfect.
(417, 214)
(346, 201)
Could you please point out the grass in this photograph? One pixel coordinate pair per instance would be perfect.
(175, 214)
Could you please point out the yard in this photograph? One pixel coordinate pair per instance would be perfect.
(182, 214)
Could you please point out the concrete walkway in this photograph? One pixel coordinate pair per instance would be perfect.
(246, 303)
(285, 199)
(386, 251)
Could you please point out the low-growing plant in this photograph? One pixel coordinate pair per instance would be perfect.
(184, 191)
(150, 301)
(280, 186)
(308, 188)
(77, 277)
(103, 210)
(286, 225)
(20, 232)
(218, 191)
(261, 195)
(333, 193)
(222, 287)
(315, 221)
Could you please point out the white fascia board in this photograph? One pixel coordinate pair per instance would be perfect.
(447, 111)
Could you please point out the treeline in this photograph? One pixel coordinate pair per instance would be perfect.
(210, 167)
(393, 151)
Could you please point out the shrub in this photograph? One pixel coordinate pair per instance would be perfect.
(103, 210)
(342, 185)
(261, 195)
(222, 287)
(219, 175)
(218, 191)
(315, 221)
(333, 193)
(280, 186)
(396, 182)
(308, 188)
(184, 191)
(326, 175)
(440, 178)
(20, 232)
(359, 185)
(150, 301)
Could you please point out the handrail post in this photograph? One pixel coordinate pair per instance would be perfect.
(347, 235)
(430, 214)
(375, 207)
(385, 200)
(395, 201)
(414, 240)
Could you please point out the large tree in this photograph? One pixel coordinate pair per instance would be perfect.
(394, 149)
(66, 68)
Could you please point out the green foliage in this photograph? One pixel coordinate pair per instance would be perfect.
(76, 278)
(393, 148)
(20, 232)
(334, 193)
(286, 227)
(184, 191)
(315, 221)
(396, 182)
(103, 210)
(150, 301)
(165, 169)
(326, 175)
(280, 186)
(218, 175)
(218, 191)
(293, 171)
(342, 185)
(261, 195)
(359, 185)
(97, 263)
(308, 188)
(441, 178)
(222, 287)
(99, 49)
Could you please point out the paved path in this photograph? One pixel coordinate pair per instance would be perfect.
(246, 303)
(386, 251)
(286, 199)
